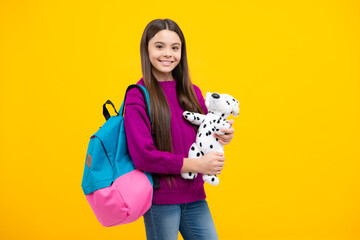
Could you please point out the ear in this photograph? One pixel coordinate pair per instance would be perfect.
(207, 99)
(236, 109)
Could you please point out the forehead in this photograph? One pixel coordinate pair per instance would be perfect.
(166, 36)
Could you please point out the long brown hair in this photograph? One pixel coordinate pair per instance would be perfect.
(160, 110)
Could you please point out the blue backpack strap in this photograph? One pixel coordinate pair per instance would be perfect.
(146, 96)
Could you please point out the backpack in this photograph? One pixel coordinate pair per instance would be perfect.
(117, 192)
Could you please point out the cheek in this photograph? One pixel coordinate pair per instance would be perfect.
(152, 60)
(153, 55)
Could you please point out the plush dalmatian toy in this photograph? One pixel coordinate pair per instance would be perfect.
(219, 106)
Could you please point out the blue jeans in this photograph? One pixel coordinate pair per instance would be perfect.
(193, 220)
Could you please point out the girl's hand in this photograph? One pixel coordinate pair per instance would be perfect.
(228, 136)
(211, 163)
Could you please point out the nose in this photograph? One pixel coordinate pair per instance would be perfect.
(215, 95)
(167, 52)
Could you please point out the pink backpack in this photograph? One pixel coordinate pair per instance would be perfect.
(117, 192)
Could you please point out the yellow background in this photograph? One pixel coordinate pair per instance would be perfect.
(292, 170)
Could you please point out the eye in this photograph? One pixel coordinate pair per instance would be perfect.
(159, 46)
(175, 48)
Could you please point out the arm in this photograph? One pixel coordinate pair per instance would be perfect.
(211, 163)
(140, 143)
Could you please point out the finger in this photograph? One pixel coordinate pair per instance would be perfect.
(220, 137)
(228, 130)
(231, 121)
(218, 160)
(224, 141)
(219, 169)
(225, 138)
(218, 154)
(225, 131)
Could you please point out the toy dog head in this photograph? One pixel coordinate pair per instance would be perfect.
(222, 104)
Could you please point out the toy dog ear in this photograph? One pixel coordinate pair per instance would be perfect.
(207, 99)
(236, 109)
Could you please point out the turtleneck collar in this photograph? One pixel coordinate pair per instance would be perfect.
(166, 84)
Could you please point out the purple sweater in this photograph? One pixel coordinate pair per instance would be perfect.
(147, 158)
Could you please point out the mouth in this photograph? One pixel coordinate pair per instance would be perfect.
(166, 62)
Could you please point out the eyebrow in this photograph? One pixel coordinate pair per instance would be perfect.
(164, 43)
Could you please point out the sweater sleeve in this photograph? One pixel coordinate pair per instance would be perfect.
(140, 143)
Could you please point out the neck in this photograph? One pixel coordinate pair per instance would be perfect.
(163, 77)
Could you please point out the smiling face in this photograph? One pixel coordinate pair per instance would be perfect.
(164, 53)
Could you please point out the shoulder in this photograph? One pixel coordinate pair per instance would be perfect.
(197, 90)
(141, 82)
(136, 91)
(198, 93)
(200, 98)
(134, 95)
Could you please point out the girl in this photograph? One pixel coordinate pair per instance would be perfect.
(178, 204)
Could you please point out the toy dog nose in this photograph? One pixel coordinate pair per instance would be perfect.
(215, 95)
